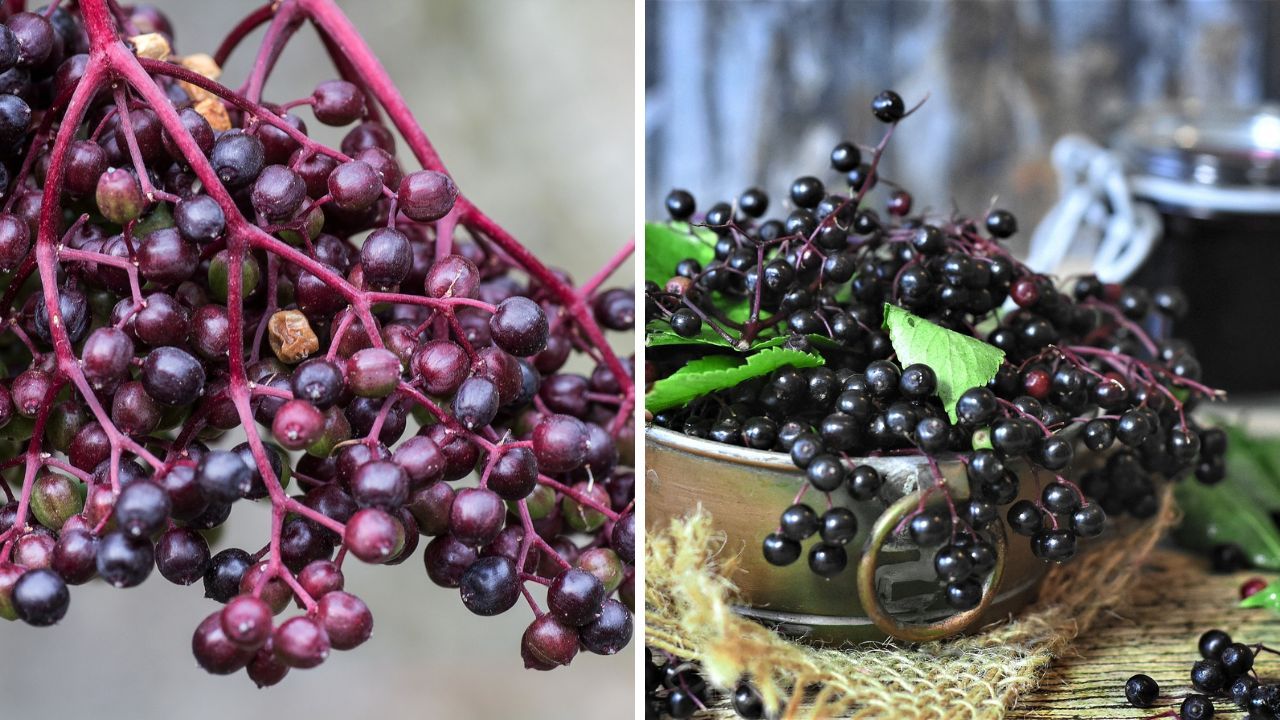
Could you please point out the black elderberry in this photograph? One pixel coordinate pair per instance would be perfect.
(1134, 302)
(918, 381)
(681, 704)
(747, 702)
(964, 594)
(982, 557)
(840, 432)
(901, 417)
(882, 378)
(719, 216)
(839, 526)
(866, 221)
(1001, 491)
(825, 472)
(1263, 701)
(928, 240)
(1054, 545)
(788, 432)
(1141, 691)
(799, 522)
(1060, 499)
(759, 433)
(1237, 659)
(952, 563)
(1001, 223)
(1012, 437)
(1196, 707)
(1055, 453)
(1183, 445)
(1025, 518)
(801, 222)
(686, 323)
(1088, 521)
(1209, 676)
(1241, 689)
(888, 106)
(807, 192)
(753, 202)
(728, 431)
(979, 513)
(985, 466)
(1212, 643)
(1099, 434)
(864, 482)
(827, 560)
(680, 204)
(688, 268)
(845, 157)
(780, 550)
(1171, 301)
(929, 528)
(804, 449)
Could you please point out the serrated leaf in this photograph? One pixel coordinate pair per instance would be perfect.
(665, 245)
(717, 372)
(960, 362)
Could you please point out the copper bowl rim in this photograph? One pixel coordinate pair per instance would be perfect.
(766, 459)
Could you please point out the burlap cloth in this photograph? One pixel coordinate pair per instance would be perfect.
(688, 599)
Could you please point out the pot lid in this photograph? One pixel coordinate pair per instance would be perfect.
(1206, 146)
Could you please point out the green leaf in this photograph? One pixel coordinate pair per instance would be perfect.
(821, 342)
(658, 334)
(1267, 597)
(717, 372)
(1238, 509)
(740, 312)
(665, 245)
(1227, 513)
(960, 362)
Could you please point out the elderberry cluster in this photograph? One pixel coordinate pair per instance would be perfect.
(205, 307)
(1225, 670)
(676, 689)
(1088, 396)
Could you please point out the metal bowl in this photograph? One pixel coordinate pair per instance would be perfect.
(889, 589)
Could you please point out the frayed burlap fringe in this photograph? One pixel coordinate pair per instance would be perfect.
(688, 600)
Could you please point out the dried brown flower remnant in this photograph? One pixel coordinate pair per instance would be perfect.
(291, 336)
(152, 46)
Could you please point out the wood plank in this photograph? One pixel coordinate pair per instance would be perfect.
(1175, 601)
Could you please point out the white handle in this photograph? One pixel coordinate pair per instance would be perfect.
(1095, 214)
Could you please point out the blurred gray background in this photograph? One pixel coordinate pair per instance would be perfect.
(750, 92)
(531, 104)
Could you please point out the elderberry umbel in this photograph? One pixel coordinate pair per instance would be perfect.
(1098, 407)
(206, 306)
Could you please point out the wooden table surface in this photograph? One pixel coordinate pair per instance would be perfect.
(1156, 633)
(1174, 602)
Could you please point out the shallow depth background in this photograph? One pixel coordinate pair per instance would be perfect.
(532, 107)
(758, 91)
